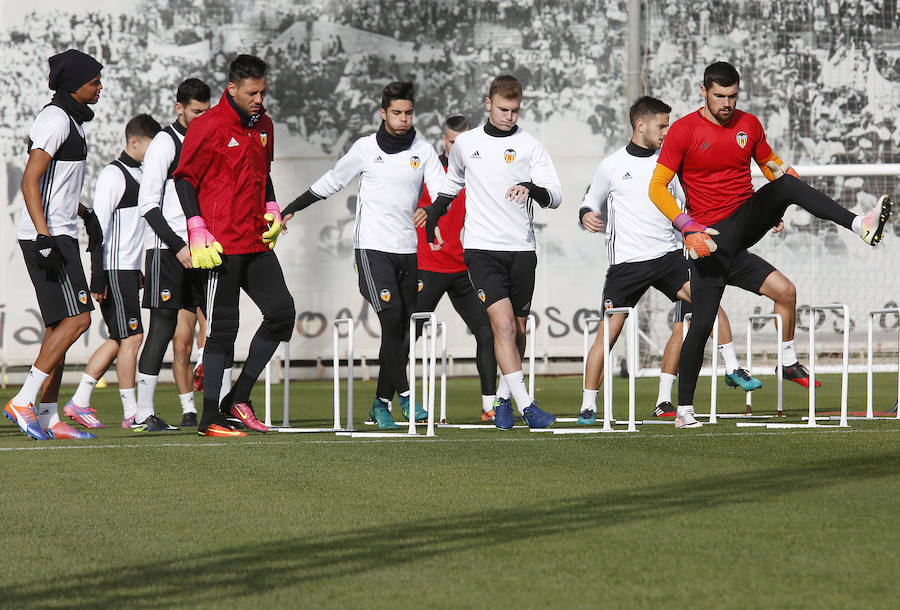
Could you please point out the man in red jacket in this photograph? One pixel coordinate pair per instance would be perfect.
(233, 221)
(443, 271)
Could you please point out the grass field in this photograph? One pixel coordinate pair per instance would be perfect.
(719, 517)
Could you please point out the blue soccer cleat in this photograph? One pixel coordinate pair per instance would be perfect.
(740, 378)
(503, 413)
(587, 417)
(380, 414)
(536, 417)
(421, 413)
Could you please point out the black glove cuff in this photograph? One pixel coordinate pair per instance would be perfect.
(538, 193)
(301, 203)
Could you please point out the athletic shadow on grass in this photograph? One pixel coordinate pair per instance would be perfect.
(246, 570)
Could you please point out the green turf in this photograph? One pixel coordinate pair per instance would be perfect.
(716, 517)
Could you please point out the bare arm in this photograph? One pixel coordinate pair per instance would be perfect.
(38, 161)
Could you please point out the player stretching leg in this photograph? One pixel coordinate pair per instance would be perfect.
(233, 222)
(116, 274)
(644, 250)
(711, 150)
(391, 164)
(443, 271)
(504, 171)
(173, 289)
(48, 236)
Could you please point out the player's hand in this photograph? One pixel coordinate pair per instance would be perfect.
(517, 193)
(780, 170)
(778, 228)
(420, 217)
(273, 217)
(99, 296)
(184, 257)
(48, 257)
(696, 236)
(438, 240)
(591, 221)
(205, 250)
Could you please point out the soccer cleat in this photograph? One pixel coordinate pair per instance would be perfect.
(244, 412)
(503, 413)
(128, 422)
(220, 431)
(153, 424)
(421, 413)
(82, 415)
(664, 409)
(684, 417)
(587, 417)
(380, 414)
(26, 418)
(873, 222)
(188, 420)
(198, 378)
(63, 431)
(487, 415)
(740, 378)
(798, 374)
(536, 417)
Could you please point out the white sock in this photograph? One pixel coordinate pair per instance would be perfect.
(729, 357)
(48, 414)
(146, 387)
(199, 358)
(226, 384)
(666, 382)
(129, 403)
(788, 355)
(856, 227)
(516, 383)
(503, 388)
(187, 403)
(82, 396)
(487, 402)
(29, 391)
(589, 400)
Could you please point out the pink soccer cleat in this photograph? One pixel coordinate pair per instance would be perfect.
(82, 415)
(63, 431)
(244, 412)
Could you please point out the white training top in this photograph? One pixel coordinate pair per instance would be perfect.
(120, 218)
(61, 183)
(635, 229)
(158, 188)
(487, 166)
(389, 191)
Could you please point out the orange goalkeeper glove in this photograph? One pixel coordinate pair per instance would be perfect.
(696, 236)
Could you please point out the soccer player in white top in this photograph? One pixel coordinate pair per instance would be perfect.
(173, 289)
(48, 236)
(644, 250)
(504, 170)
(391, 164)
(116, 273)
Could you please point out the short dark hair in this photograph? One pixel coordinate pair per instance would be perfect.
(721, 73)
(457, 123)
(507, 86)
(246, 66)
(397, 90)
(141, 126)
(647, 106)
(192, 89)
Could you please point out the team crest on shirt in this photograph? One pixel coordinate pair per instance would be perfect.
(386, 295)
(509, 155)
(420, 285)
(414, 162)
(263, 138)
(82, 297)
(741, 138)
(481, 295)
(133, 323)
(608, 304)
(165, 295)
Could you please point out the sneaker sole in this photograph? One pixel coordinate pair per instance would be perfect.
(734, 384)
(696, 424)
(883, 217)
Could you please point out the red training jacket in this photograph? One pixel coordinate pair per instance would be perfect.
(449, 259)
(228, 164)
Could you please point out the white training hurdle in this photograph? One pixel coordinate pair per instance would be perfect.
(779, 331)
(870, 366)
(714, 373)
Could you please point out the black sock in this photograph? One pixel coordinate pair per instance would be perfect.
(213, 368)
